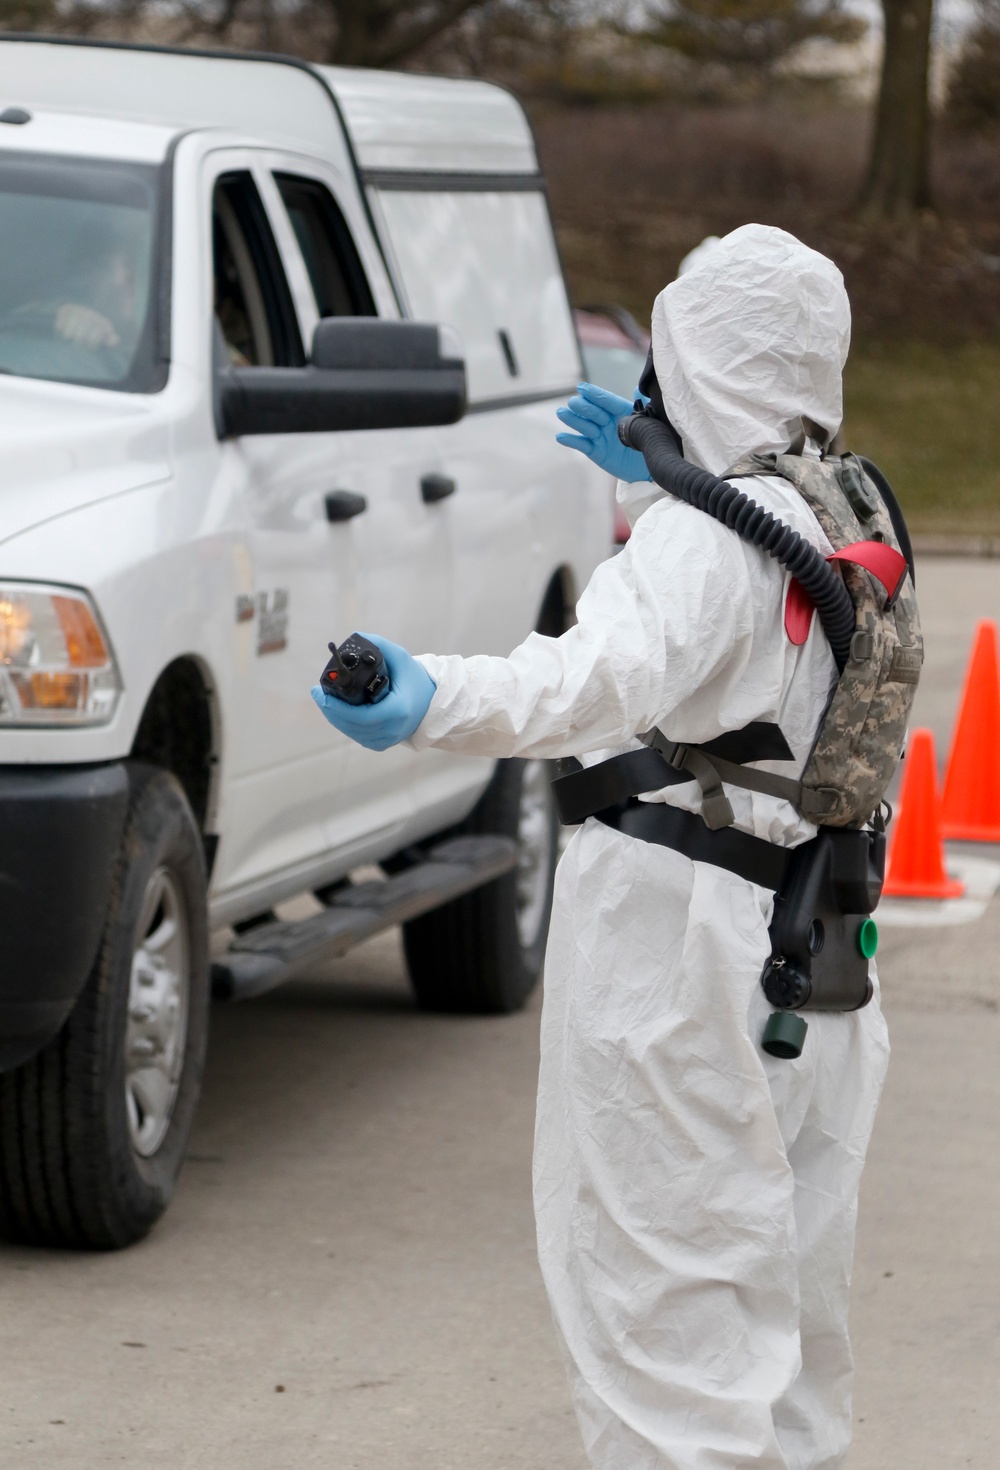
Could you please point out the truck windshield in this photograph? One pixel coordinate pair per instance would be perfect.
(76, 264)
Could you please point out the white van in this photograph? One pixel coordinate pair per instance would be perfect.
(279, 351)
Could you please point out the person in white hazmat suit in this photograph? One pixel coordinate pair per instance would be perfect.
(695, 1198)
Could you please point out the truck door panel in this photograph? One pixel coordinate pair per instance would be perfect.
(289, 769)
(398, 551)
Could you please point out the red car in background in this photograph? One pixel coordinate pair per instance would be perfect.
(614, 349)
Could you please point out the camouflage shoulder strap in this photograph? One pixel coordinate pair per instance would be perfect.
(861, 735)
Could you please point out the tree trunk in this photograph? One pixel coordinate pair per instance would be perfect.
(388, 32)
(898, 182)
(358, 30)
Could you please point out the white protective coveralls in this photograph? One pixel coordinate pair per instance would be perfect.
(695, 1198)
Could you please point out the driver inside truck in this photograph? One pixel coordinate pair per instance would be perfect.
(102, 302)
(99, 304)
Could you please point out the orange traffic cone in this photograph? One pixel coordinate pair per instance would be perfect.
(971, 805)
(916, 857)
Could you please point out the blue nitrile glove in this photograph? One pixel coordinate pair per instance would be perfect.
(395, 714)
(594, 415)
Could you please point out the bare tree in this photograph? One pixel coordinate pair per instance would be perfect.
(348, 32)
(747, 34)
(974, 84)
(387, 32)
(898, 180)
(26, 15)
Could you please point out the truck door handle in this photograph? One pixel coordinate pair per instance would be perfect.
(437, 487)
(344, 505)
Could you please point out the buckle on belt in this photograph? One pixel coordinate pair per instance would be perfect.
(716, 809)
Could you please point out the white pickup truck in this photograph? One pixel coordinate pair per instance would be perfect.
(279, 351)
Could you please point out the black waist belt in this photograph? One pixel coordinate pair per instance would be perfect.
(748, 857)
(583, 793)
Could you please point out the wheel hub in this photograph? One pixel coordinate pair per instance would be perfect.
(156, 1028)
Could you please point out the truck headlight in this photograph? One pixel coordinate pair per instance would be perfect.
(56, 665)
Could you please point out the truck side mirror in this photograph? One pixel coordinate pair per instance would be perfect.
(365, 374)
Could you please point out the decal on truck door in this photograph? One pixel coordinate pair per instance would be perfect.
(272, 620)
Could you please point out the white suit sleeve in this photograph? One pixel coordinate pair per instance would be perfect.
(656, 622)
(636, 497)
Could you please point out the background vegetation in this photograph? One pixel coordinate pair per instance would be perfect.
(923, 382)
(662, 121)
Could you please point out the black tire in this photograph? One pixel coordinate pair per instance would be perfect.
(80, 1165)
(478, 955)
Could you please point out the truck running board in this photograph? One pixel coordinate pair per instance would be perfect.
(273, 953)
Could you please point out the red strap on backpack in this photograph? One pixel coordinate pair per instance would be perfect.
(884, 562)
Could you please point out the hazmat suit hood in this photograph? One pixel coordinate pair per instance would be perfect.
(750, 340)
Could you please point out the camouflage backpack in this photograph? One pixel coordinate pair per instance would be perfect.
(861, 735)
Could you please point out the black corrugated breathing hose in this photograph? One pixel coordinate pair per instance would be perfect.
(655, 441)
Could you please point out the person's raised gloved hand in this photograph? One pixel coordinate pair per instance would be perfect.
(594, 415)
(395, 714)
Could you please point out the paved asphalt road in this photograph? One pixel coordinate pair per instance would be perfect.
(347, 1277)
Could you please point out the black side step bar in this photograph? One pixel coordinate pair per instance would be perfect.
(273, 953)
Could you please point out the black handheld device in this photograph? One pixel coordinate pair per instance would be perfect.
(355, 672)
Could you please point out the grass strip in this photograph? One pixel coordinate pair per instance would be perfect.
(930, 418)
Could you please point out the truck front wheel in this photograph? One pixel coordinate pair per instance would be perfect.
(93, 1130)
(482, 954)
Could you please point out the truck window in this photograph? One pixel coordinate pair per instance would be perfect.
(253, 305)
(485, 263)
(335, 271)
(77, 262)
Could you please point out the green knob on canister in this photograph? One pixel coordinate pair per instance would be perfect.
(868, 938)
(784, 1035)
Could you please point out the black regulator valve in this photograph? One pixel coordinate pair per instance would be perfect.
(823, 937)
(356, 671)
